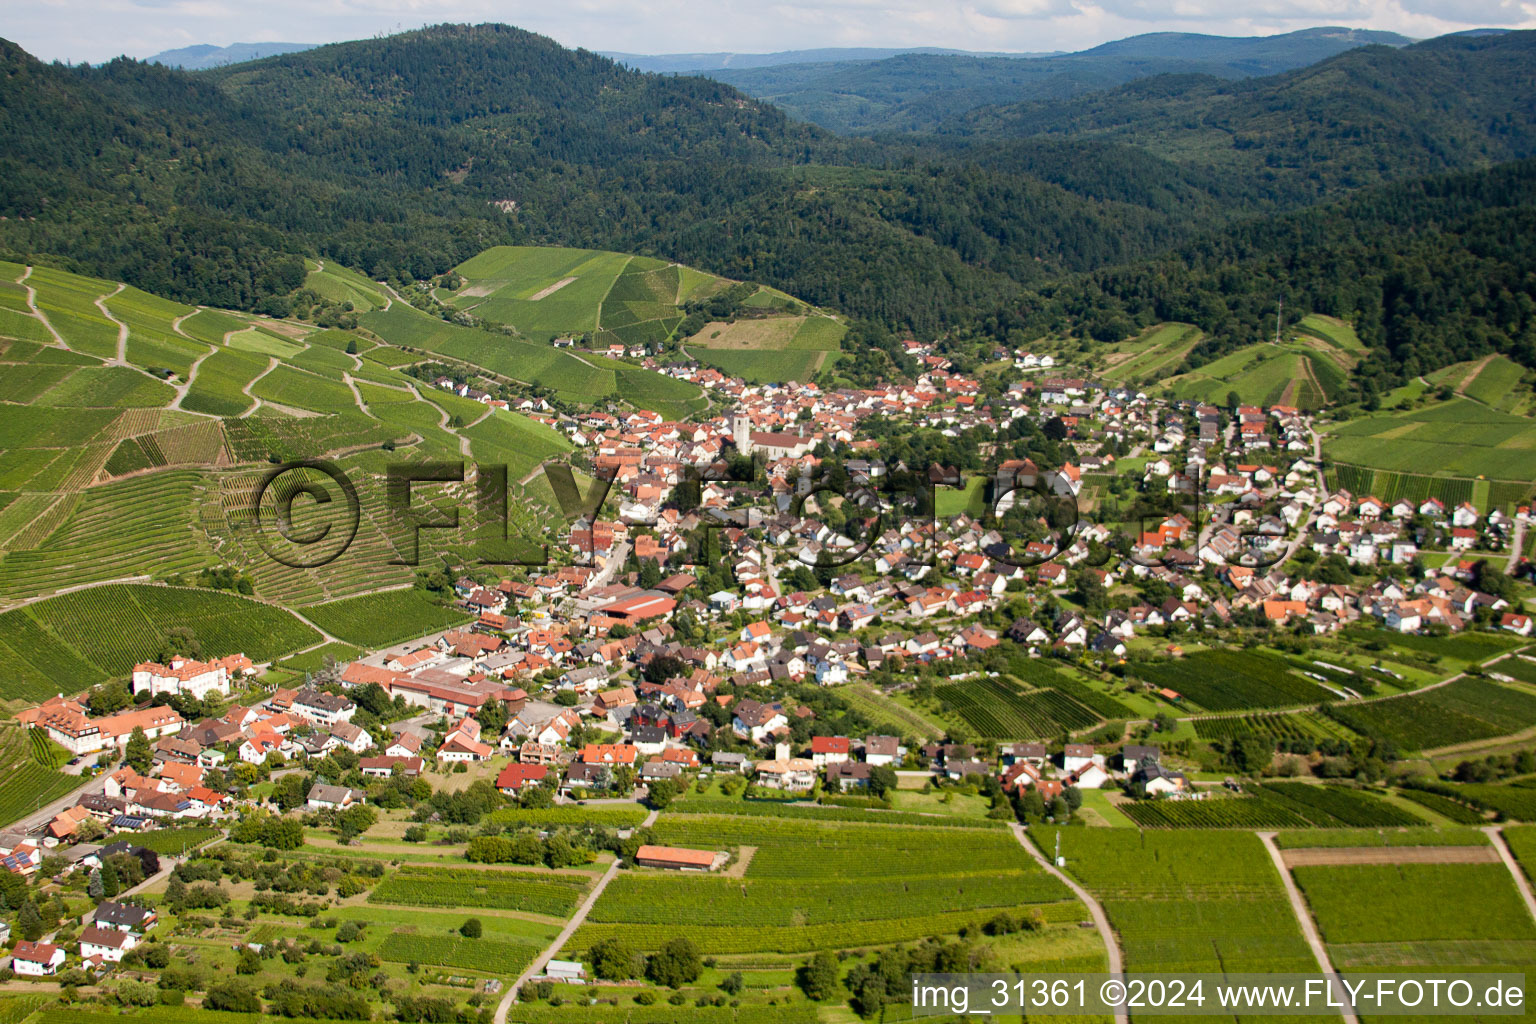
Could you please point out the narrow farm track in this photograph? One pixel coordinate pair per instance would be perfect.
(1496, 837)
(122, 328)
(32, 304)
(1100, 919)
(1303, 916)
(505, 1006)
(271, 365)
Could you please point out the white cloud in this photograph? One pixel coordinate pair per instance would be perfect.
(69, 30)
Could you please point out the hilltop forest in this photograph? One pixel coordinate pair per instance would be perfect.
(1382, 185)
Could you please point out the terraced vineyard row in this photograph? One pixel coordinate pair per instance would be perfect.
(534, 892)
(997, 710)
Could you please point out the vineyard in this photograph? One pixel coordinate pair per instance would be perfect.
(1233, 680)
(1415, 902)
(1453, 810)
(1340, 806)
(1252, 812)
(1038, 673)
(998, 710)
(174, 840)
(492, 956)
(1308, 839)
(72, 641)
(569, 814)
(1276, 727)
(528, 891)
(818, 813)
(1190, 901)
(1274, 805)
(378, 620)
(1460, 711)
(817, 885)
(30, 771)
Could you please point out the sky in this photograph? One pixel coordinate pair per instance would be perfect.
(75, 31)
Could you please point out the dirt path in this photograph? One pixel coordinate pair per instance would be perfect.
(1100, 919)
(1327, 856)
(122, 328)
(1496, 836)
(32, 304)
(744, 857)
(1304, 919)
(505, 1006)
(272, 362)
(543, 293)
(357, 396)
(1461, 389)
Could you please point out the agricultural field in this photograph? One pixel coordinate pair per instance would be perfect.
(1304, 374)
(1461, 711)
(31, 773)
(1188, 900)
(823, 885)
(339, 284)
(221, 379)
(775, 349)
(1221, 680)
(1152, 356)
(1275, 805)
(542, 292)
(1000, 710)
(534, 892)
(1310, 839)
(1495, 382)
(573, 377)
(378, 620)
(1485, 442)
(72, 641)
(1444, 916)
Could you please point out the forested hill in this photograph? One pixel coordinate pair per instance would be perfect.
(1430, 272)
(403, 156)
(1371, 114)
(920, 91)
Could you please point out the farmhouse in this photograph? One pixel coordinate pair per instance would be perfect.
(677, 858)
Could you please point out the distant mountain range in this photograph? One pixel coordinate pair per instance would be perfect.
(206, 55)
(862, 90)
(680, 63)
(918, 91)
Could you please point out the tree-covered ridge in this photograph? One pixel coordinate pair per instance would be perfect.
(401, 157)
(1430, 272)
(1372, 114)
(919, 91)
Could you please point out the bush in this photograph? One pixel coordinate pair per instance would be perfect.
(470, 929)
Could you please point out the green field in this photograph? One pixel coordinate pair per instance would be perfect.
(1222, 680)
(1438, 916)
(1153, 355)
(1266, 374)
(1461, 711)
(574, 378)
(1188, 901)
(776, 349)
(30, 779)
(1459, 437)
(823, 885)
(339, 284)
(377, 620)
(75, 640)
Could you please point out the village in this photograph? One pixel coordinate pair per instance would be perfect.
(665, 645)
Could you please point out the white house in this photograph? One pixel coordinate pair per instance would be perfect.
(37, 958)
(107, 943)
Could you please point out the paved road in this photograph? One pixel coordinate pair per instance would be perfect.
(1100, 919)
(1304, 918)
(505, 1006)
